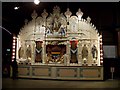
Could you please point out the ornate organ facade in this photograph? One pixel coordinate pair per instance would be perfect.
(59, 39)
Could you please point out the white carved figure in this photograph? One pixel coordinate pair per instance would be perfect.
(94, 52)
(21, 52)
(68, 13)
(28, 52)
(79, 14)
(88, 19)
(84, 52)
(34, 14)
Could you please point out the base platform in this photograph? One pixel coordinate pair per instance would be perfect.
(61, 72)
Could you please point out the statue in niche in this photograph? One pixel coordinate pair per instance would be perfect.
(28, 52)
(85, 52)
(56, 24)
(94, 52)
(21, 52)
(38, 50)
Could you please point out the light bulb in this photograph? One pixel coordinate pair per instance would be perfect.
(16, 8)
(36, 2)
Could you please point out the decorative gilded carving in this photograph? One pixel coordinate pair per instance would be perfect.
(88, 19)
(79, 14)
(34, 15)
(68, 13)
(55, 53)
(44, 14)
(56, 10)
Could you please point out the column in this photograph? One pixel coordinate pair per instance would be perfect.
(101, 51)
(68, 52)
(17, 48)
(33, 53)
(79, 54)
(119, 43)
(43, 52)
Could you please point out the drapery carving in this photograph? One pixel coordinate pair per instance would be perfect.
(73, 51)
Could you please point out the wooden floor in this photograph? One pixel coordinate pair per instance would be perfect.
(9, 83)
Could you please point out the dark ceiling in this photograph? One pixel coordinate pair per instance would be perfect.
(105, 16)
(102, 14)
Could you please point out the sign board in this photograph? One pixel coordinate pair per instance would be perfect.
(8, 50)
(110, 51)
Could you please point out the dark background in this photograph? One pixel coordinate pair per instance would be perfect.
(104, 15)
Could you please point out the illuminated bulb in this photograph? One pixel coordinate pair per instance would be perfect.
(13, 43)
(101, 50)
(14, 37)
(13, 57)
(36, 2)
(101, 61)
(16, 8)
(29, 58)
(12, 60)
(101, 58)
(13, 50)
(13, 46)
(101, 43)
(13, 40)
(100, 36)
(27, 45)
(13, 54)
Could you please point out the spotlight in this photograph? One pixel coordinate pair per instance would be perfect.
(36, 2)
(16, 8)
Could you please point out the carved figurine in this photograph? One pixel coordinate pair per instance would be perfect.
(28, 52)
(94, 52)
(21, 52)
(84, 52)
